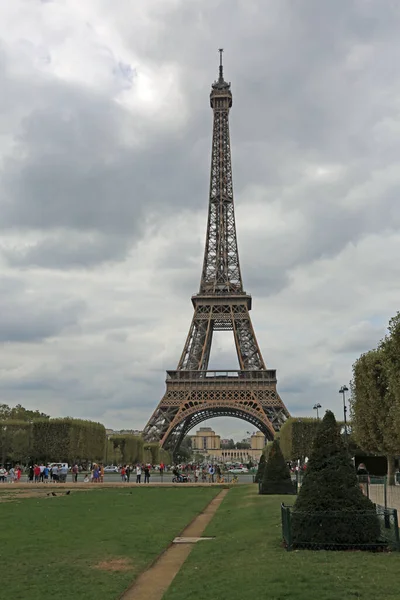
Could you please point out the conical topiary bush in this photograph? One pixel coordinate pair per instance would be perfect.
(331, 508)
(260, 469)
(276, 478)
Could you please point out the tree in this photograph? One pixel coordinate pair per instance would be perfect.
(243, 445)
(130, 447)
(375, 413)
(152, 453)
(230, 445)
(15, 441)
(276, 476)
(330, 507)
(184, 453)
(22, 414)
(296, 437)
(260, 471)
(19, 413)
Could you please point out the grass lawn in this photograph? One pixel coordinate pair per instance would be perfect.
(51, 547)
(246, 561)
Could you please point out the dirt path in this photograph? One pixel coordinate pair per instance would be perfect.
(153, 583)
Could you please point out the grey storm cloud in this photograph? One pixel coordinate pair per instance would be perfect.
(105, 137)
(68, 249)
(33, 318)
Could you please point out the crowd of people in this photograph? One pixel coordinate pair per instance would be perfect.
(58, 472)
(139, 470)
(11, 476)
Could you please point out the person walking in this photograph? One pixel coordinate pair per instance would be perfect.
(55, 473)
(138, 473)
(96, 474)
(196, 474)
(75, 472)
(11, 475)
(3, 475)
(147, 474)
(128, 473)
(211, 472)
(123, 473)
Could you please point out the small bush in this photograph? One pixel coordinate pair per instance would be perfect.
(260, 469)
(331, 507)
(276, 477)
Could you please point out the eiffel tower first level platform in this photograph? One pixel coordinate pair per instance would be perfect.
(194, 393)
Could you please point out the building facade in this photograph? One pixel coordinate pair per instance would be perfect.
(208, 444)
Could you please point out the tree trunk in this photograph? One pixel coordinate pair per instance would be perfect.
(390, 469)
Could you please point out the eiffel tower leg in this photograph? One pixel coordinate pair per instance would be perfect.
(196, 353)
(248, 351)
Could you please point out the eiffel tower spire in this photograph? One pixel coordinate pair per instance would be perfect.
(195, 393)
(221, 268)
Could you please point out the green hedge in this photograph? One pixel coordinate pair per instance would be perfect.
(15, 441)
(69, 440)
(131, 448)
(296, 437)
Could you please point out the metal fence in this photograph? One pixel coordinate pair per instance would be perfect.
(340, 523)
(379, 491)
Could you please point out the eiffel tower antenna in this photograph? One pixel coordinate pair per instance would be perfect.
(221, 68)
(194, 393)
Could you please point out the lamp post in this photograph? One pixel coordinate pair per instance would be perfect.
(316, 407)
(343, 391)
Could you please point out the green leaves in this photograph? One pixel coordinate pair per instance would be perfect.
(68, 440)
(375, 401)
(276, 476)
(296, 437)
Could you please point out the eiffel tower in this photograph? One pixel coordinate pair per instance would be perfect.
(193, 392)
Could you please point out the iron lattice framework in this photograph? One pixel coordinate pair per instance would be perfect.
(194, 393)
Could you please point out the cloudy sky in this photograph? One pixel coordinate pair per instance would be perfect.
(105, 131)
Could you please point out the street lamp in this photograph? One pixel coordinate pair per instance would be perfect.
(316, 407)
(343, 391)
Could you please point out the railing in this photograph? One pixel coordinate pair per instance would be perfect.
(286, 526)
(379, 491)
(267, 375)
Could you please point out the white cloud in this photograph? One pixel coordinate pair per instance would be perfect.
(105, 135)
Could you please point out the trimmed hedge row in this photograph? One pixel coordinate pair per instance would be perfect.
(296, 437)
(73, 440)
(49, 440)
(68, 440)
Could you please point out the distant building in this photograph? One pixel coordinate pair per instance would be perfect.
(208, 443)
(205, 440)
(111, 432)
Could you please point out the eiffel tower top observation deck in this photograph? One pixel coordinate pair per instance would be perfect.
(195, 393)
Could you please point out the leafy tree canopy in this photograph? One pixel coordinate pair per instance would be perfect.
(19, 413)
(375, 399)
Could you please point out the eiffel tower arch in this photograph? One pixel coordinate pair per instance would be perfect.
(194, 393)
